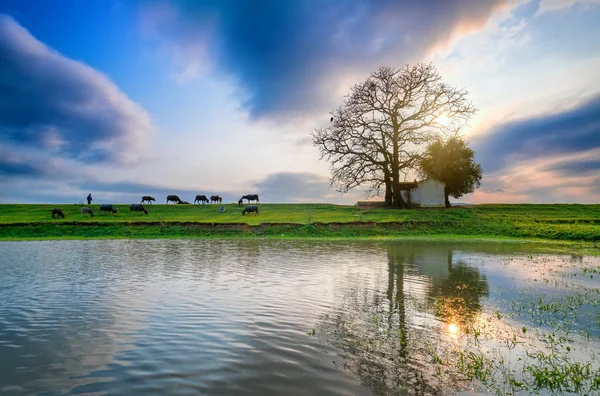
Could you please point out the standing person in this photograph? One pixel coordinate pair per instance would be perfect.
(89, 198)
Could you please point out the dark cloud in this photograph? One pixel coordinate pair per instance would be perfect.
(33, 188)
(296, 187)
(19, 169)
(278, 187)
(572, 131)
(289, 56)
(62, 106)
(575, 168)
(139, 189)
(33, 195)
(126, 191)
(19, 165)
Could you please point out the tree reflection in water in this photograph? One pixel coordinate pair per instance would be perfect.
(458, 297)
(387, 332)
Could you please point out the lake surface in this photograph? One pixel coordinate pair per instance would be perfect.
(248, 317)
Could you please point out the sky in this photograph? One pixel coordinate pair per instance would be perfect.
(128, 98)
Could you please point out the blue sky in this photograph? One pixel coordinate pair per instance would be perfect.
(128, 98)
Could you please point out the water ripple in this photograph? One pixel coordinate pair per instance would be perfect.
(212, 317)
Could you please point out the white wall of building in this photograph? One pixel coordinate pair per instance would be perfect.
(431, 194)
(414, 196)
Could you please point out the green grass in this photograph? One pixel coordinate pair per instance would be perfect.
(549, 222)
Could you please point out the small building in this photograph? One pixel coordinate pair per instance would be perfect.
(428, 193)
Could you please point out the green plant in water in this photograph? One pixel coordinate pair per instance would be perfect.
(562, 376)
(474, 366)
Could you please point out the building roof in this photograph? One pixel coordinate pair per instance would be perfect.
(409, 185)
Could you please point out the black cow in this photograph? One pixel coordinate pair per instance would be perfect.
(173, 198)
(87, 211)
(58, 213)
(201, 199)
(250, 197)
(108, 208)
(250, 209)
(147, 198)
(137, 208)
(216, 199)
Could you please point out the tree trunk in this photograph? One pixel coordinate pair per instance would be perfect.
(447, 198)
(395, 168)
(397, 192)
(389, 197)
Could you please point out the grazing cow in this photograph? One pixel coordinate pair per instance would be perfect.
(173, 198)
(87, 211)
(250, 209)
(137, 208)
(147, 198)
(58, 213)
(201, 199)
(108, 208)
(216, 199)
(250, 197)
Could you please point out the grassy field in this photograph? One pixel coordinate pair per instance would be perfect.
(550, 222)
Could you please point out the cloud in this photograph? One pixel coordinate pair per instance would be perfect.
(12, 168)
(553, 178)
(29, 185)
(282, 187)
(496, 190)
(572, 131)
(557, 5)
(127, 189)
(51, 103)
(576, 167)
(292, 58)
(299, 187)
(547, 158)
(14, 164)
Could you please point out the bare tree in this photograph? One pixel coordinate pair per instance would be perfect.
(385, 122)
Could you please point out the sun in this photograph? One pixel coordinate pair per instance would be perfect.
(443, 120)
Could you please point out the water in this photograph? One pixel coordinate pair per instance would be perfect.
(237, 317)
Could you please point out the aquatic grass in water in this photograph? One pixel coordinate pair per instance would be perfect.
(542, 342)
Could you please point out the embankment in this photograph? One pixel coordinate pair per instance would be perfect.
(561, 222)
(358, 229)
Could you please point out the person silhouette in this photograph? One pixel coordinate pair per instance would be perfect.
(89, 198)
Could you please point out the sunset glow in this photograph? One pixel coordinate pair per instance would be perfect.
(179, 96)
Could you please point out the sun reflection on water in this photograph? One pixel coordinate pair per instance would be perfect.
(453, 330)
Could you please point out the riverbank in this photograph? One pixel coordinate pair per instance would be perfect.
(575, 223)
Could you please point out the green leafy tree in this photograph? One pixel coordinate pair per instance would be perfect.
(451, 162)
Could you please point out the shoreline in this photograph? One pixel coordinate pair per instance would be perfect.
(335, 231)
